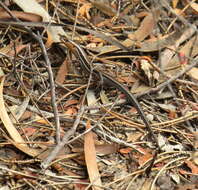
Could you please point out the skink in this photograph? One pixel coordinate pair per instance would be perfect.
(82, 57)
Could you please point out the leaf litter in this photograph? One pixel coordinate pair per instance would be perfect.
(149, 46)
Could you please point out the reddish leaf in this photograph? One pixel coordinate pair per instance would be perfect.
(29, 131)
(62, 72)
(143, 159)
(193, 167)
(125, 150)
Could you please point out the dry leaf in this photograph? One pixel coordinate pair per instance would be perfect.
(12, 131)
(21, 15)
(167, 107)
(145, 29)
(8, 50)
(70, 103)
(168, 53)
(106, 149)
(26, 115)
(195, 157)
(147, 70)
(125, 150)
(174, 3)
(192, 166)
(84, 10)
(189, 49)
(90, 158)
(103, 97)
(193, 73)
(29, 131)
(92, 100)
(175, 177)
(196, 140)
(80, 185)
(143, 159)
(146, 46)
(40, 120)
(32, 6)
(62, 72)
(17, 50)
(194, 6)
(104, 7)
(71, 111)
(133, 137)
(146, 185)
(186, 187)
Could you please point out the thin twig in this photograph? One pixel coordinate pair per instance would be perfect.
(66, 138)
(76, 18)
(69, 133)
(164, 84)
(52, 87)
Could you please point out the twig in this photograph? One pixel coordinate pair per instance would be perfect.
(65, 140)
(181, 18)
(67, 136)
(52, 87)
(76, 18)
(152, 90)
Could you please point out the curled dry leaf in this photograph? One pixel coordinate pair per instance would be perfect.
(12, 131)
(145, 29)
(32, 6)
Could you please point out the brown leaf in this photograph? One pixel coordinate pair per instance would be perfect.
(125, 150)
(133, 137)
(106, 149)
(143, 159)
(193, 167)
(17, 50)
(62, 72)
(145, 29)
(21, 15)
(70, 103)
(70, 111)
(32, 6)
(160, 42)
(90, 158)
(8, 50)
(29, 131)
